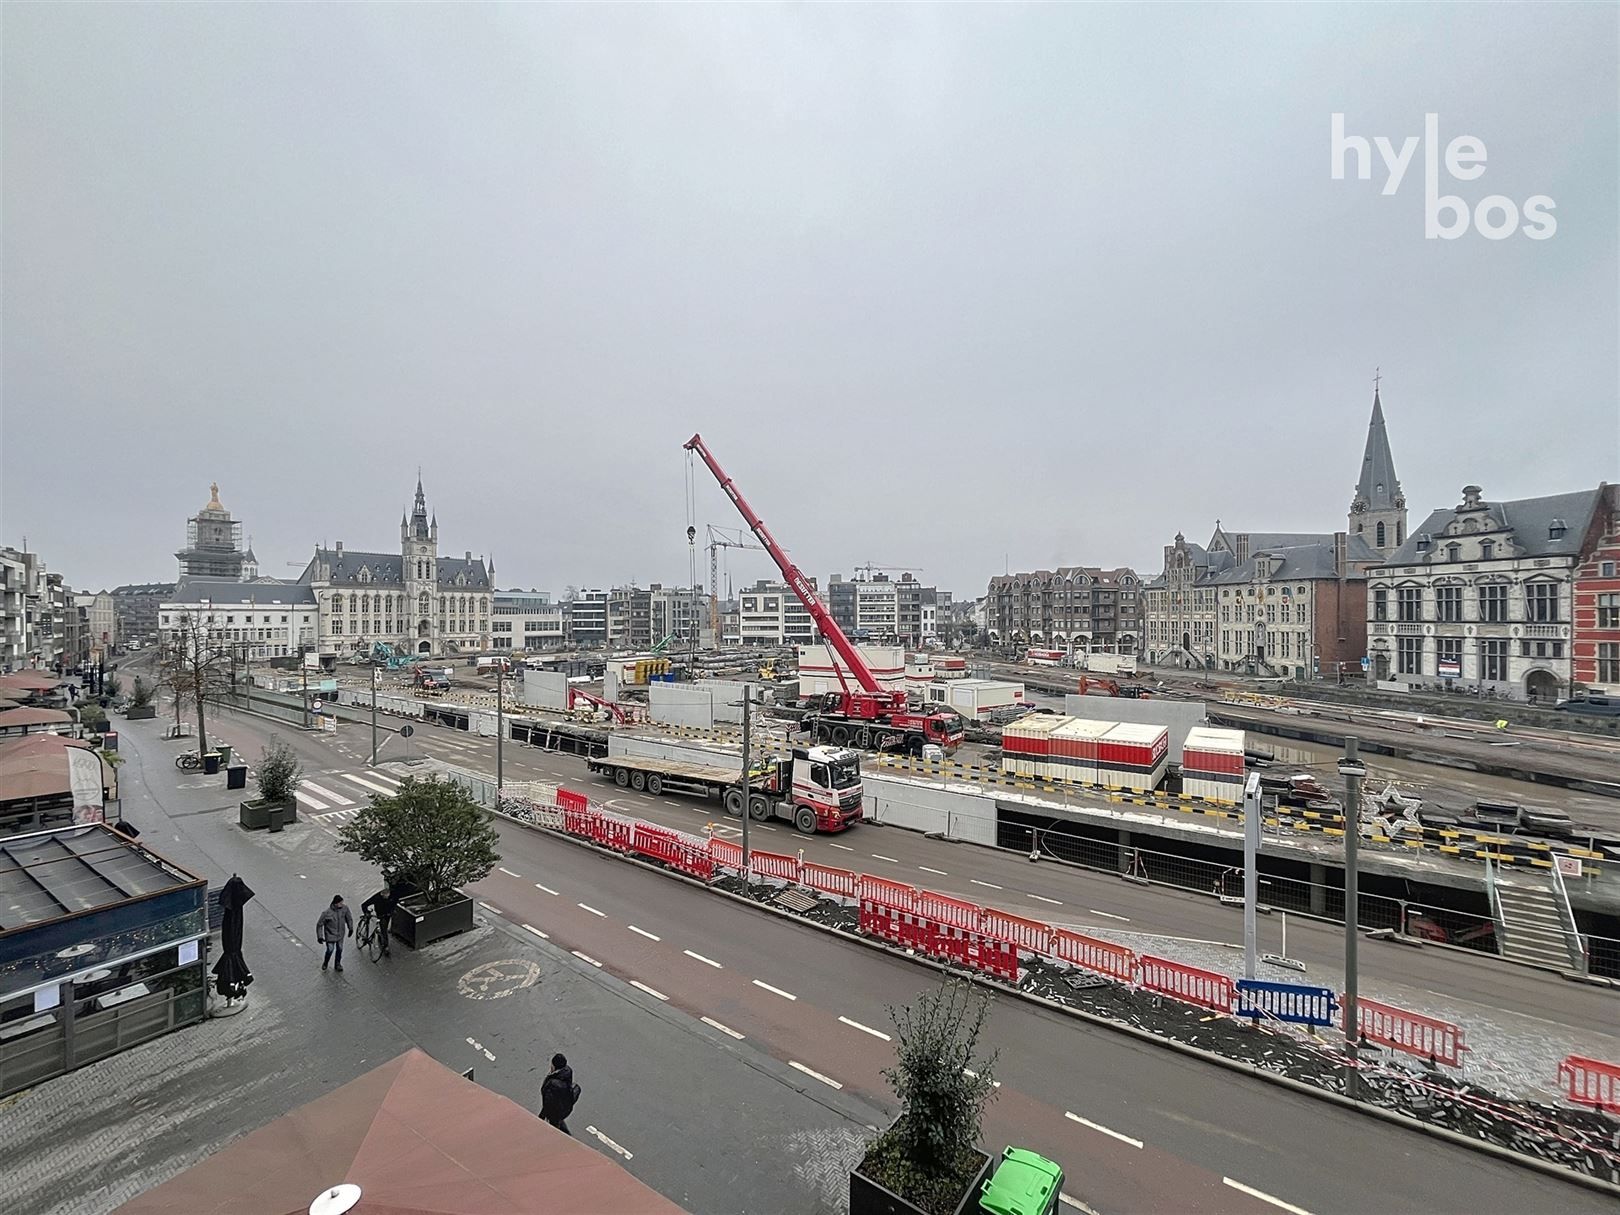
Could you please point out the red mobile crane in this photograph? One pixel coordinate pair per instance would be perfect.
(872, 717)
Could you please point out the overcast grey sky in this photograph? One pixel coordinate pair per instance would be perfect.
(952, 286)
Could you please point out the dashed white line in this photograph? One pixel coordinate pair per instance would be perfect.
(610, 1143)
(1044, 899)
(878, 856)
(651, 991)
(537, 932)
(585, 957)
(700, 958)
(1099, 1127)
(508, 872)
(1109, 915)
(651, 936)
(991, 885)
(1264, 1197)
(725, 1029)
(810, 1071)
(479, 1047)
(1076, 1204)
(968, 1071)
(489, 907)
(866, 1029)
(840, 847)
(775, 991)
(547, 889)
(926, 869)
(592, 910)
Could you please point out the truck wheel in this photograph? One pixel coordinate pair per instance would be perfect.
(638, 781)
(863, 740)
(822, 735)
(621, 777)
(655, 785)
(733, 802)
(914, 748)
(804, 819)
(840, 736)
(759, 807)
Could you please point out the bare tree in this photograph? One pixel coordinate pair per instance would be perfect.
(194, 664)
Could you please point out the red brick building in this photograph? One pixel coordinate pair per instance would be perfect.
(1595, 642)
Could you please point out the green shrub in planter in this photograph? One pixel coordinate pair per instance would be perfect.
(430, 833)
(277, 778)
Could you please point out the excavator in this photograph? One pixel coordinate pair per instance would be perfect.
(869, 716)
(1101, 685)
(575, 695)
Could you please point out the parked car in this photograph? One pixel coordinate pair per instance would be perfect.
(1596, 706)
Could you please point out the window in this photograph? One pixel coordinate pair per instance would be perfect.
(1453, 552)
(1493, 658)
(1409, 603)
(1379, 543)
(1381, 604)
(1487, 550)
(337, 603)
(1606, 569)
(1448, 656)
(1608, 611)
(1448, 604)
(1493, 602)
(1409, 654)
(1541, 601)
(1608, 662)
(337, 627)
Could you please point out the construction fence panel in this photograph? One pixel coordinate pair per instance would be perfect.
(567, 799)
(726, 854)
(1103, 957)
(1189, 984)
(879, 920)
(775, 864)
(889, 893)
(1026, 934)
(1296, 1003)
(844, 882)
(615, 832)
(1410, 1033)
(1591, 1082)
(947, 910)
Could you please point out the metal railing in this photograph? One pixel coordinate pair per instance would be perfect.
(1566, 917)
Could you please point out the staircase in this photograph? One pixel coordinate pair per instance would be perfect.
(1531, 918)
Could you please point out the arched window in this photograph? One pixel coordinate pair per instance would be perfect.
(1380, 541)
(1400, 532)
(422, 603)
(337, 603)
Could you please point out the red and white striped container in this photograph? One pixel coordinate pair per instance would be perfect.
(1074, 750)
(1026, 744)
(1212, 764)
(1133, 755)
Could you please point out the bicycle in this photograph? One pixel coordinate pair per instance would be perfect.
(188, 761)
(369, 935)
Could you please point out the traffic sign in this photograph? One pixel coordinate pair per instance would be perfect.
(406, 731)
(315, 705)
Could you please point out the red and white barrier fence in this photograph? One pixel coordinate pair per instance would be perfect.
(1104, 957)
(1189, 984)
(1409, 1032)
(1591, 1082)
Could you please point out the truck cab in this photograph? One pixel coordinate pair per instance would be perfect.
(826, 781)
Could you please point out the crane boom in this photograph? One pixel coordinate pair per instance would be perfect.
(794, 577)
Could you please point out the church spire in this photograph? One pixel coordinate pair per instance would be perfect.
(419, 513)
(1378, 510)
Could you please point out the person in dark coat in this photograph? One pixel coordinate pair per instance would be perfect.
(336, 923)
(381, 905)
(558, 1094)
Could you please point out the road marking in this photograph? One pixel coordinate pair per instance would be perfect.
(810, 1071)
(585, 957)
(866, 1029)
(878, 856)
(479, 1047)
(547, 889)
(725, 1029)
(651, 991)
(763, 827)
(1044, 899)
(592, 910)
(651, 936)
(1076, 1204)
(310, 801)
(537, 932)
(926, 869)
(489, 907)
(844, 847)
(386, 779)
(1109, 915)
(366, 784)
(968, 1071)
(1097, 1126)
(991, 885)
(610, 1143)
(786, 995)
(337, 798)
(508, 872)
(706, 961)
(1264, 1197)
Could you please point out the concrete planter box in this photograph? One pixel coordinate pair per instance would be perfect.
(419, 925)
(144, 713)
(254, 815)
(870, 1197)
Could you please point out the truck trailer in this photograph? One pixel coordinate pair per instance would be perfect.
(815, 789)
(977, 699)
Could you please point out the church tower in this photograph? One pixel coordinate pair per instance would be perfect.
(1378, 510)
(419, 555)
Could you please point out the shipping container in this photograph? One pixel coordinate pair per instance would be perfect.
(1044, 658)
(1074, 750)
(1212, 764)
(817, 677)
(976, 699)
(1026, 744)
(1107, 664)
(949, 666)
(1133, 755)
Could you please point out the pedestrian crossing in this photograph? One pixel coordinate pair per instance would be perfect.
(337, 799)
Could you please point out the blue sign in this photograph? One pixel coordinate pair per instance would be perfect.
(1286, 1002)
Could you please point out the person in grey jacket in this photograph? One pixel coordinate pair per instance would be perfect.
(335, 924)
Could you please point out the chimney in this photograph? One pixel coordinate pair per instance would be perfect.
(469, 556)
(1241, 545)
(340, 548)
(1341, 553)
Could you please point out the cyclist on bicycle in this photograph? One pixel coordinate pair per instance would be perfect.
(381, 905)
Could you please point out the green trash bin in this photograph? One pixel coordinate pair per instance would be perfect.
(1024, 1183)
(211, 763)
(224, 750)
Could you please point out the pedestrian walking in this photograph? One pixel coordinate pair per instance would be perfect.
(558, 1094)
(336, 922)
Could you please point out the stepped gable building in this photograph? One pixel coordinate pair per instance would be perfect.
(415, 600)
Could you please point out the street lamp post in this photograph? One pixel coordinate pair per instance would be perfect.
(374, 715)
(747, 785)
(500, 728)
(1352, 769)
